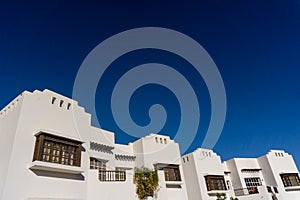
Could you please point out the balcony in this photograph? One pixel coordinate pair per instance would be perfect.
(54, 167)
(112, 176)
(246, 191)
(263, 191)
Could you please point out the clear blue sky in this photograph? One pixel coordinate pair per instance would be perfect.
(255, 44)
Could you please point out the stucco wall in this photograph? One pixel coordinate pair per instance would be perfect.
(9, 117)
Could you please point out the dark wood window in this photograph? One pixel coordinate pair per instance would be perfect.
(290, 180)
(215, 182)
(54, 149)
(97, 164)
(172, 173)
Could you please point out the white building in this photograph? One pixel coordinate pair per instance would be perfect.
(50, 151)
(273, 176)
(162, 154)
(206, 175)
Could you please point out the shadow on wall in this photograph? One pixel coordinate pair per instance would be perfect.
(78, 177)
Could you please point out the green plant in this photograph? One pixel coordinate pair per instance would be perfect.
(146, 181)
(221, 196)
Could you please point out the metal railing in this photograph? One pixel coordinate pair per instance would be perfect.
(246, 191)
(112, 176)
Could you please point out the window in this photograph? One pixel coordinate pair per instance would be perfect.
(252, 183)
(54, 149)
(228, 184)
(165, 140)
(61, 103)
(161, 140)
(173, 186)
(97, 164)
(269, 189)
(172, 173)
(215, 182)
(156, 139)
(290, 180)
(275, 189)
(53, 100)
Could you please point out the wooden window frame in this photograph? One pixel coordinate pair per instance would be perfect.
(172, 173)
(210, 185)
(63, 143)
(175, 176)
(97, 164)
(287, 182)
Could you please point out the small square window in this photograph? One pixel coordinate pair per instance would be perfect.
(53, 100)
(228, 184)
(269, 189)
(172, 173)
(97, 164)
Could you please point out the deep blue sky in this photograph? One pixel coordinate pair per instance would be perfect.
(255, 44)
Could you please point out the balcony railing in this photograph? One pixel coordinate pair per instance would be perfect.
(246, 191)
(271, 190)
(112, 176)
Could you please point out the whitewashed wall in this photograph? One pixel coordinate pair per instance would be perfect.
(35, 112)
(153, 149)
(196, 166)
(276, 162)
(31, 113)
